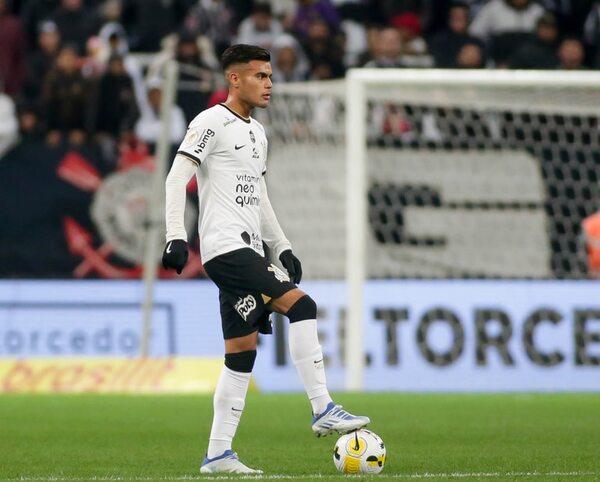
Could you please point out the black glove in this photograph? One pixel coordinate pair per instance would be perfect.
(175, 255)
(292, 264)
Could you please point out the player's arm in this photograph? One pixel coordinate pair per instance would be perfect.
(175, 254)
(273, 235)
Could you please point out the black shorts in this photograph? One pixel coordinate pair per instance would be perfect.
(247, 282)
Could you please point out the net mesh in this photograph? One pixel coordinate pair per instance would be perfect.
(463, 181)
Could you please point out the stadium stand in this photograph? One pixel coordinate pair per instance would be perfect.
(79, 86)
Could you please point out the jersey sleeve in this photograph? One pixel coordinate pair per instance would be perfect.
(200, 139)
(265, 147)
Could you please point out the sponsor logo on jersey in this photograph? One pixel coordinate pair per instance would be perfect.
(204, 138)
(252, 138)
(229, 121)
(246, 190)
(279, 274)
(245, 306)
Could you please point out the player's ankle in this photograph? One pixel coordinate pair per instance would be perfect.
(319, 404)
(216, 448)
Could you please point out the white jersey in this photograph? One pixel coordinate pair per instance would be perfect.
(231, 154)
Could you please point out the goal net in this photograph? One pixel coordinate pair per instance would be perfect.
(437, 174)
(452, 174)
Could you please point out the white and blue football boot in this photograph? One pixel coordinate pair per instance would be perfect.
(336, 419)
(227, 462)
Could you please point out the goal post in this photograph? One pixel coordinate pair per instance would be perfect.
(483, 174)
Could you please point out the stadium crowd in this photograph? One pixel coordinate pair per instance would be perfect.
(75, 71)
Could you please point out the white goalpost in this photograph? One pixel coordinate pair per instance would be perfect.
(434, 174)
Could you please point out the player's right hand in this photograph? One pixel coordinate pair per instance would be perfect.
(175, 255)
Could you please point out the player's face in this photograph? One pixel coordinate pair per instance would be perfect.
(255, 83)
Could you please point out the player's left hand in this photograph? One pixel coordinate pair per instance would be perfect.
(292, 264)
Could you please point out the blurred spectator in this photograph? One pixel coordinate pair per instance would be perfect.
(111, 12)
(387, 50)
(30, 129)
(506, 16)
(446, 45)
(218, 97)
(197, 76)
(242, 9)
(372, 46)
(307, 11)
(571, 54)
(12, 51)
(470, 56)
(288, 60)
(65, 100)
(504, 24)
(260, 28)
(41, 60)
(355, 41)
(93, 62)
(199, 72)
(539, 52)
(570, 14)
(427, 11)
(592, 33)
(323, 48)
(9, 128)
(116, 107)
(76, 23)
(33, 13)
(149, 21)
(149, 126)
(113, 41)
(414, 48)
(213, 19)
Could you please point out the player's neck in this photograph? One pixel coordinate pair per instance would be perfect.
(240, 108)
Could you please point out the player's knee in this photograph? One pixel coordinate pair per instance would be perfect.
(303, 309)
(241, 362)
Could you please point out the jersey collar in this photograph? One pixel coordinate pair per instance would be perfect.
(245, 119)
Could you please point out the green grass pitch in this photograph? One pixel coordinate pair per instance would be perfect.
(431, 437)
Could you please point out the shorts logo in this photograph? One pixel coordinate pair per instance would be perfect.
(245, 306)
(280, 275)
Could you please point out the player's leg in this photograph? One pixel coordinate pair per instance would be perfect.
(230, 393)
(307, 356)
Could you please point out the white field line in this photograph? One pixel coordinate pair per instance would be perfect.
(425, 475)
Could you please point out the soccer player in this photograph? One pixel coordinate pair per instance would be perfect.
(227, 151)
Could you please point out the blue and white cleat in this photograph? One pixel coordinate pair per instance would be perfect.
(227, 462)
(336, 419)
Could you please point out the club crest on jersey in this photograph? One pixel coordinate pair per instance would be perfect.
(245, 306)
(252, 138)
(279, 274)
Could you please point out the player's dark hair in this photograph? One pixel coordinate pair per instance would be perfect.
(242, 54)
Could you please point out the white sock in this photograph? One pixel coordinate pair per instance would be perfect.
(307, 356)
(228, 402)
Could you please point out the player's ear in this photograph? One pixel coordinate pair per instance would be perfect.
(233, 78)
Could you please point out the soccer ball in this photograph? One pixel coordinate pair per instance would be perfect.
(359, 452)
